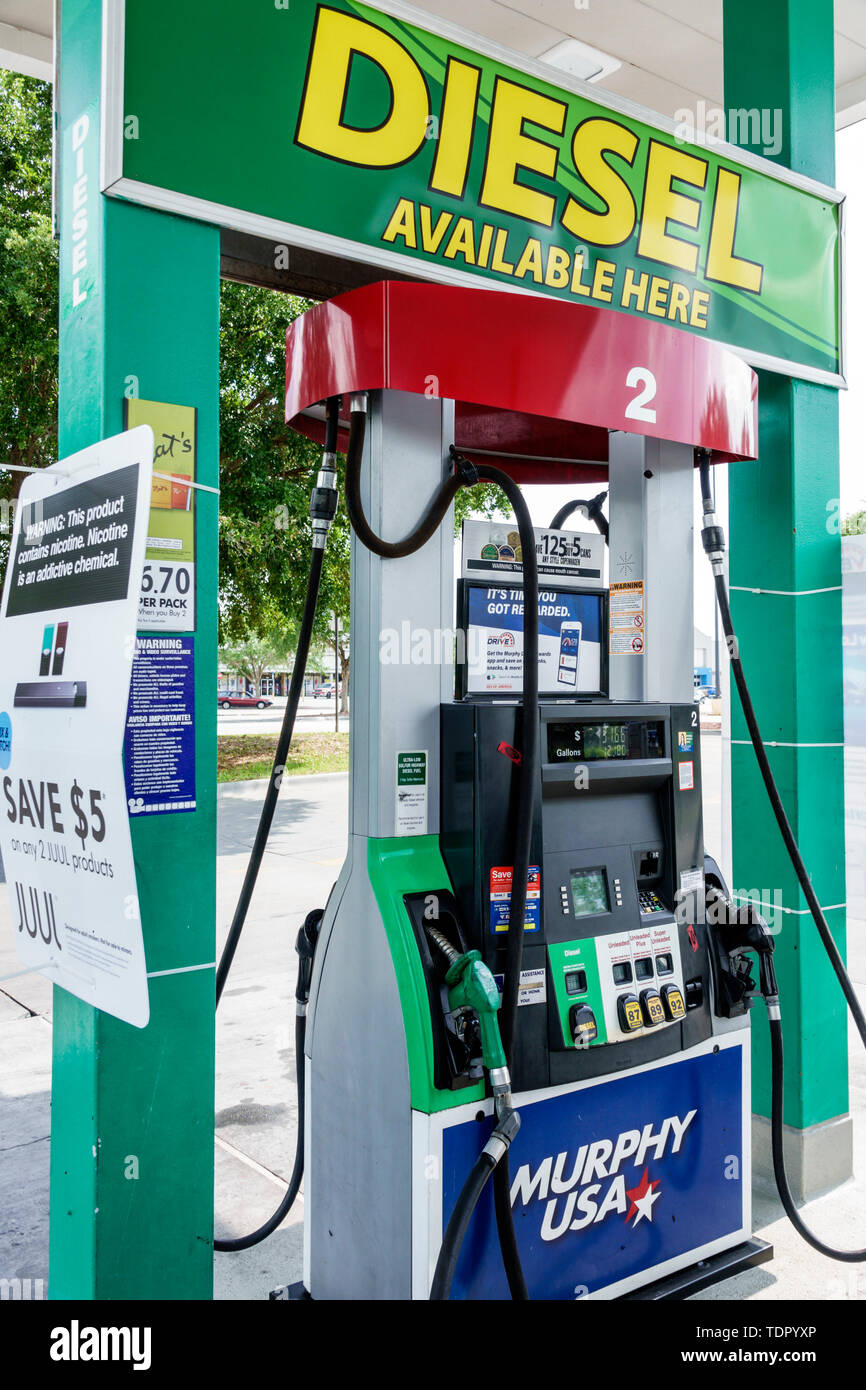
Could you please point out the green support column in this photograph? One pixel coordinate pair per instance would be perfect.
(132, 1117)
(784, 536)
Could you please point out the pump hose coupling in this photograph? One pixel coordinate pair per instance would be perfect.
(504, 1134)
(465, 469)
(323, 499)
(712, 534)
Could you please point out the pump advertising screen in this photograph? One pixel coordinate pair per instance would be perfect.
(571, 650)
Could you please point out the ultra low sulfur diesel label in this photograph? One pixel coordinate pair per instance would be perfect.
(410, 816)
(67, 633)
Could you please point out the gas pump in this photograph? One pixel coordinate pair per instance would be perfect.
(632, 1095)
(607, 1092)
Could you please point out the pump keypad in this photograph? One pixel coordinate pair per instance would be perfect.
(650, 901)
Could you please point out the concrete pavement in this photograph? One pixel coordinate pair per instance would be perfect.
(314, 716)
(256, 1112)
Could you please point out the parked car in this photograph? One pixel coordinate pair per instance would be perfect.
(325, 691)
(243, 702)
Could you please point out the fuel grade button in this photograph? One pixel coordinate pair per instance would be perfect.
(673, 1002)
(652, 1007)
(582, 1022)
(629, 1011)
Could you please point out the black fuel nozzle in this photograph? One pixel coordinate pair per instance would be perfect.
(596, 515)
(305, 945)
(741, 934)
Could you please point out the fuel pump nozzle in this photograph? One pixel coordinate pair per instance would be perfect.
(471, 985)
(743, 933)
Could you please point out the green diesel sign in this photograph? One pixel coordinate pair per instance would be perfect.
(361, 132)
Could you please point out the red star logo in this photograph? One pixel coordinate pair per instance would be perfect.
(642, 1198)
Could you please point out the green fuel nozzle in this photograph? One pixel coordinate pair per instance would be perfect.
(471, 985)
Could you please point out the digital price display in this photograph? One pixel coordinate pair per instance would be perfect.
(604, 741)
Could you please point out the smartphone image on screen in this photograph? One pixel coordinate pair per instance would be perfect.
(569, 651)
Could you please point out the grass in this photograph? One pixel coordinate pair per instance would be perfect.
(241, 757)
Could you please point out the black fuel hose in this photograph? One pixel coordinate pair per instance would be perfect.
(430, 521)
(467, 475)
(777, 1055)
(263, 834)
(287, 729)
(269, 806)
(593, 511)
(282, 1211)
(458, 1224)
(714, 542)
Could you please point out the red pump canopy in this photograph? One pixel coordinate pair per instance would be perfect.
(538, 383)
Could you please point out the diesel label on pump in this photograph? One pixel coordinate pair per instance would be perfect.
(411, 807)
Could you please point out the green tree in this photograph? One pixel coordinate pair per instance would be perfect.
(266, 469)
(28, 291)
(252, 657)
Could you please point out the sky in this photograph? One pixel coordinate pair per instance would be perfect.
(850, 179)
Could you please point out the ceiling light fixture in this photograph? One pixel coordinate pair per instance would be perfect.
(580, 60)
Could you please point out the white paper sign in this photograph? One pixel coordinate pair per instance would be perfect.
(67, 638)
(491, 550)
(167, 601)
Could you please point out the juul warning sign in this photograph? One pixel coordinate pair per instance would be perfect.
(67, 632)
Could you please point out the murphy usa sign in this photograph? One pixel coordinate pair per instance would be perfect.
(369, 134)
